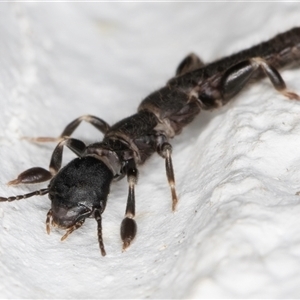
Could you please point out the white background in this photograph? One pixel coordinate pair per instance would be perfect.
(236, 232)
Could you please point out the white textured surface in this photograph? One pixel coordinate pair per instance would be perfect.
(236, 232)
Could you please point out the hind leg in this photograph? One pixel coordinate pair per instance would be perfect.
(238, 75)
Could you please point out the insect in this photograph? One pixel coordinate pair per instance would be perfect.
(80, 189)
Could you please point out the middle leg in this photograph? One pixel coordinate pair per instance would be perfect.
(98, 123)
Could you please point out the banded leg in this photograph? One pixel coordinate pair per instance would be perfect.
(165, 150)
(128, 225)
(237, 76)
(190, 63)
(38, 174)
(98, 123)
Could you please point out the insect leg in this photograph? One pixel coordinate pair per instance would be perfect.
(98, 123)
(37, 174)
(165, 150)
(32, 175)
(77, 146)
(237, 76)
(128, 226)
(188, 64)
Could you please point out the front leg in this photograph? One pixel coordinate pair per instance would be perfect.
(38, 174)
(237, 76)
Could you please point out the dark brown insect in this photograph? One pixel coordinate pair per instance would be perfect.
(80, 189)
